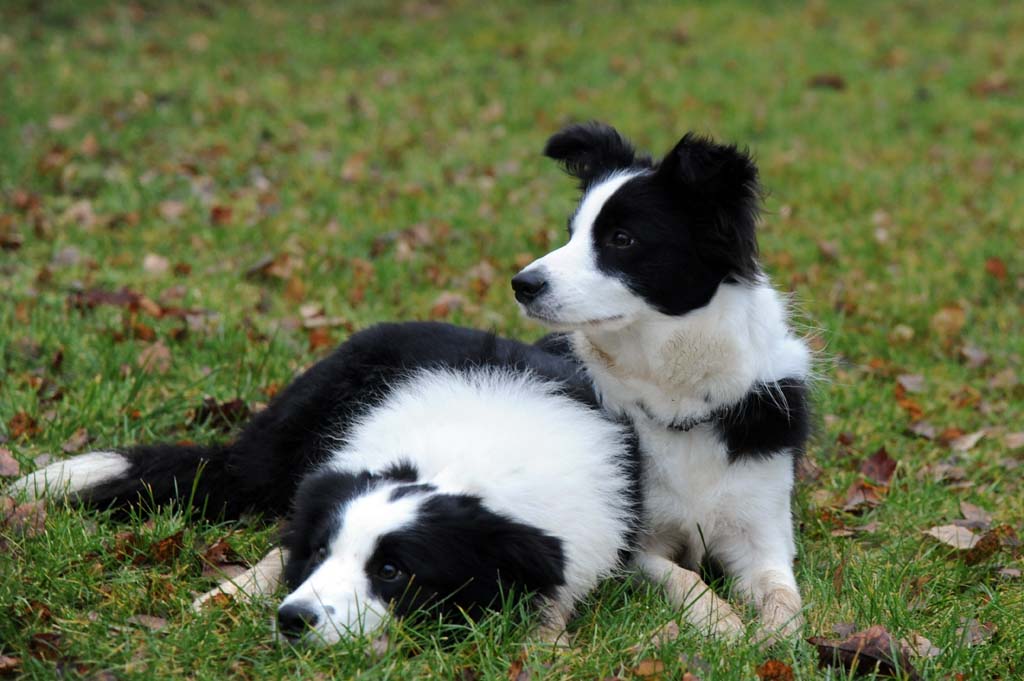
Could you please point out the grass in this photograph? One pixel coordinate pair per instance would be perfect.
(333, 137)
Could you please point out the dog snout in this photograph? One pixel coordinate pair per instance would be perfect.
(295, 618)
(528, 285)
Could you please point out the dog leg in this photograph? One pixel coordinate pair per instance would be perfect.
(761, 560)
(554, 618)
(685, 589)
(262, 579)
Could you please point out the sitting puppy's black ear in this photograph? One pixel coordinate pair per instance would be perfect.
(716, 186)
(590, 151)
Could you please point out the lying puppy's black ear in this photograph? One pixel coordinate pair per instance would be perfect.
(589, 151)
(717, 186)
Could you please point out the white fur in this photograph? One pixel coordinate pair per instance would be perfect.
(338, 591)
(582, 295)
(659, 369)
(71, 476)
(513, 440)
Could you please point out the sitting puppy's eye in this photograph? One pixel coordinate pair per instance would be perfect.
(621, 239)
(389, 572)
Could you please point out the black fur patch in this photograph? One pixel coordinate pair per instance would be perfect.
(591, 151)
(315, 518)
(769, 419)
(406, 490)
(691, 223)
(458, 556)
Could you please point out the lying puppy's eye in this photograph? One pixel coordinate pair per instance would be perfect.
(621, 239)
(319, 556)
(389, 572)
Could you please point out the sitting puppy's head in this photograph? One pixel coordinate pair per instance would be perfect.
(363, 546)
(647, 238)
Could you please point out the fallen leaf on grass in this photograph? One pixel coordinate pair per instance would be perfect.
(828, 81)
(21, 424)
(516, 671)
(879, 467)
(221, 561)
(996, 267)
(966, 442)
(155, 358)
(920, 646)
(222, 416)
(9, 665)
(979, 517)
(9, 466)
(991, 542)
(1005, 379)
(319, 338)
(45, 645)
(923, 429)
(649, 669)
(912, 383)
(773, 670)
(163, 551)
(959, 538)
(150, 622)
(973, 356)
(972, 632)
(1014, 440)
(79, 439)
(1009, 573)
(864, 652)
(949, 321)
(445, 304)
(171, 210)
(156, 264)
(863, 495)
(28, 520)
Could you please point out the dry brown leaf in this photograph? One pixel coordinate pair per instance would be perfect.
(28, 520)
(171, 210)
(864, 652)
(949, 321)
(155, 358)
(912, 383)
(1009, 573)
(516, 670)
(966, 442)
(23, 425)
(9, 665)
(828, 81)
(223, 416)
(923, 429)
(150, 622)
(863, 495)
(163, 551)
(445, 304)
(977, 515)
(959, 538)
(920, 646)
(1005, 379)
(156, 264)
(79, 439)
(220, 215)
(649, 669)
(879, 467)
(1014, 440)
(774, 670)
(319, 338)
(972, 632)
(9, 466)
(996, 267)
(973, 356)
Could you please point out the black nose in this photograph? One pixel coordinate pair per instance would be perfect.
(294, 619)
(528, 285)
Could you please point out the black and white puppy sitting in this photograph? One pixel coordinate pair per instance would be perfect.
(423, 466)
(681, 332)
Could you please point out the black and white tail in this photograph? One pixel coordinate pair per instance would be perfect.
(193, 476)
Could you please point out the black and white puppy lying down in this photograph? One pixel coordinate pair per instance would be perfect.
(421, 465)
(664, 301)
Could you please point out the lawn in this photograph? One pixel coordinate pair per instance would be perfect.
(197, 200)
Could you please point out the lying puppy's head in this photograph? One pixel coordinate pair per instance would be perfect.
(363, 546)
(647, 237)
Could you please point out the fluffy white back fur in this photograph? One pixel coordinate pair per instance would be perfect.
(515, 441)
